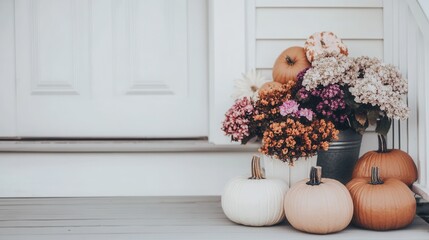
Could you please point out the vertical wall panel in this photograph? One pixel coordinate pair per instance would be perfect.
(7, 69)
(148, 33)
(411, 40)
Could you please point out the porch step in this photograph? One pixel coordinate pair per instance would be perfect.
(151, 218)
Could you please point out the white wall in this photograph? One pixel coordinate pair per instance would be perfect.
(424, 4)
(118, 174)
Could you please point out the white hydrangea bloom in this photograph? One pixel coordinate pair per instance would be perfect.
(382, 90)
(370, 81)
(330, 69)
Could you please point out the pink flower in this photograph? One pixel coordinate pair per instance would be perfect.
(289, 107)
(237, 119)
(305, 112)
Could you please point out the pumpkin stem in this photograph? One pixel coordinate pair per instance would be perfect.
(315, 176)
(289, 61)
(256, 168)
(382, 143)
(375, 177)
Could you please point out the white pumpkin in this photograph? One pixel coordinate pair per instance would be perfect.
(254, 201)
(324, 42)
(317, 205)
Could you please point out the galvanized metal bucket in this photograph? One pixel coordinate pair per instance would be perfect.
(340, 159)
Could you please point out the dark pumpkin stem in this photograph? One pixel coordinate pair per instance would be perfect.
(256, 168)
(375, 176)
(382, 143)
(315, 176)
(289, 61)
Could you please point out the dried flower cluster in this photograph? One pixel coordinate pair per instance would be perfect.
(290, 131)
(348, 91)
(329, 69)
(336, 92)
(291, 139)
(238, 119)
(381, 86)
(327, 102)
(268, 109)
(387, 74)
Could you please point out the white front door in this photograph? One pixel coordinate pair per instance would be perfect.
(119, 68)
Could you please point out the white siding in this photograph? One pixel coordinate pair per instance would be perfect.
(413, 57)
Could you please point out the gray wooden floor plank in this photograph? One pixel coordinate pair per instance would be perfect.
(151, 218)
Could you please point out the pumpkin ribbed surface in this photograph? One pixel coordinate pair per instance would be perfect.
(392, 164)
(254, 202)
(270, 86)
(386, 206)
(287, 66)
(320, 209)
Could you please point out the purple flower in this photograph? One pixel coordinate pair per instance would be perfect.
(289, 107)
(307, 113)
(303, 94)
(325, 101)
(300, 75)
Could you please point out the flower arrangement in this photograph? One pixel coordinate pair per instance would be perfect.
(336, 92)
(354, 92)
(287, 130)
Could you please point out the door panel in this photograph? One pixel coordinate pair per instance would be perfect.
(119, 68)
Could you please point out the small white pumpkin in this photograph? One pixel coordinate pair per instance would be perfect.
(254, 201)
(324, 42)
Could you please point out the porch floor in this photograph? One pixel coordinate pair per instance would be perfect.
(152, 218)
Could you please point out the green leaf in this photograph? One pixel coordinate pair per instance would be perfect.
(350, 100)
(361, 118)
(373, 116)
(383, 125)
(354, 124)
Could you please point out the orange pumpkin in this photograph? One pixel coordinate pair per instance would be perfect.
(270, 86)
(393, 163)
(381, 205)
(290, 62)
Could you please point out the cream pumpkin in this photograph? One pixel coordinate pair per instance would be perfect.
(254, 201)
(323, 42)
(317, 205)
